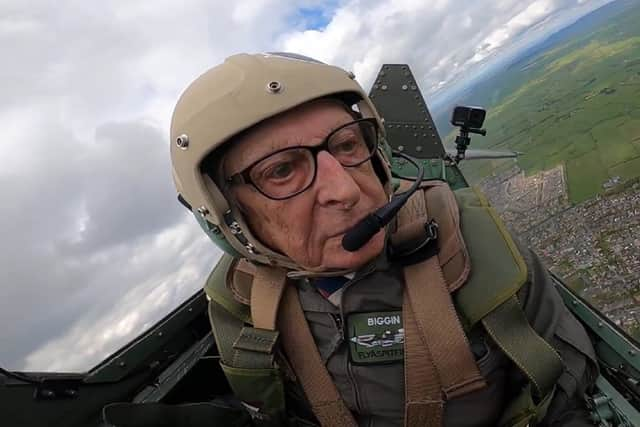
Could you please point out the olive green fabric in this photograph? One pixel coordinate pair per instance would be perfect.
(491, 246)
(256, 340)
(247, 357)
(216, 289)
(226, 328)
(522, 411)
(495, 260)
(239, 345)
(510, 330)
(261, 388)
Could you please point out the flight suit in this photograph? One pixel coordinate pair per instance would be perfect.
(374, 389)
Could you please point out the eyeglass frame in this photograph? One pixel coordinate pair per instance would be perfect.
(244, 177)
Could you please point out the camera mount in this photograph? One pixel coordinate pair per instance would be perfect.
(469, 120)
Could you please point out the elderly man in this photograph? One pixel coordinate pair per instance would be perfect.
(279, 156)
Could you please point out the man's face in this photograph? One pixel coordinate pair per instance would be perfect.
(308, 227)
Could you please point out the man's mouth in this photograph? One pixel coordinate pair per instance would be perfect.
(346, 229)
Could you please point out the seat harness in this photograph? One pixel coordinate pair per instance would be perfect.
(439, 364)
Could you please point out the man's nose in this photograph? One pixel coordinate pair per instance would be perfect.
(336, 187)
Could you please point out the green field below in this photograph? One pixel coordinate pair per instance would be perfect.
(577, 104)
(585, 176)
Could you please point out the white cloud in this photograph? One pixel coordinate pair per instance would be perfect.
(169, 268)
(440, 40)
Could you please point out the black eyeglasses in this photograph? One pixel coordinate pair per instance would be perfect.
(290, 171)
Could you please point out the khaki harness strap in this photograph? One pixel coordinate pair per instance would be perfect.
(438, 323)
(424, 405)
(267, 311)
(436, 199)
(430, 300)
(266, 293)
(302, 353)
(255, 346)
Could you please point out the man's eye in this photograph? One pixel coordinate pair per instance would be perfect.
(346, 147)
(279, 171)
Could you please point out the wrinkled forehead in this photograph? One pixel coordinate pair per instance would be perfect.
(307, 124)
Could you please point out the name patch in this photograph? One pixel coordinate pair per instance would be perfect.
(375, 338)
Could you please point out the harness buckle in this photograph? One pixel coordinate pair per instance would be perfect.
(418, 244)
(431, 228)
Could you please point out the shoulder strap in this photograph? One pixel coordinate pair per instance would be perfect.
(437, 351)
(435, 314)
(302, 353)
(266, 292)
(424, 404)
(269, 288)
(510, 330)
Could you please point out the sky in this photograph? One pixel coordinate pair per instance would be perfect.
(94, 248)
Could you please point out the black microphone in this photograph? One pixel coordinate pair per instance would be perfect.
(366, 228)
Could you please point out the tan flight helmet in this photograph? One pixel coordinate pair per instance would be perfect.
(232, 97)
